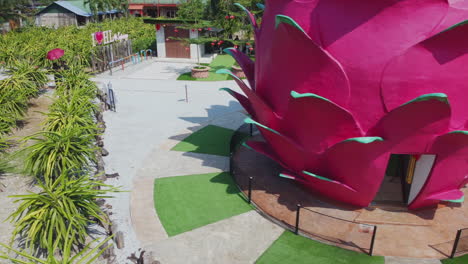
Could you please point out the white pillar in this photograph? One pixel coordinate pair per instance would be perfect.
(193, 47)
(161, 43)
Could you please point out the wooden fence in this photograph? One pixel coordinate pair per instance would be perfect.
(100, 62)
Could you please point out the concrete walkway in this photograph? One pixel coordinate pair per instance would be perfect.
(148, 113)
(150, 69)
(152, 116)
(239, 239)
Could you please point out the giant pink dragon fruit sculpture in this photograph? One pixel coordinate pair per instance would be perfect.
(339, 85)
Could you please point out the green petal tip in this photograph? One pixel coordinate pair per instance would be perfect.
(433, 96)
(455, 26)
(464, 132)
(461, 200)
(224, 71)
(316, 176)
(297, 95)
(287, 20)
(364, 140)
(249, 120)
(228, 50)
(241, 6)
(286, 176)
(247, 146)
(226, 90)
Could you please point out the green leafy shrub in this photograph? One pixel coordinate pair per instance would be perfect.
(54, 152)
(23, 83)
(76, 111)
(35, 42)
(85, 256)
(42, 218)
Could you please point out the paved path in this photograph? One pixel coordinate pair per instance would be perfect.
(152, 117)
(239, 239)
(150, 69)
(149, 112)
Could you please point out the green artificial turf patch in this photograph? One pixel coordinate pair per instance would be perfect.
(211, 139)
(184, 203)
(223, 61)
(457, 260)
(291, 248)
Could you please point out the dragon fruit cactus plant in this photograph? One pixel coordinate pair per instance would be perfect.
(340, 85)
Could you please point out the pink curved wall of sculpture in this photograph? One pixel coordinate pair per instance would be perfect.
(339, 85)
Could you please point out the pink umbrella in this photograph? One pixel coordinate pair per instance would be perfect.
(55, 54)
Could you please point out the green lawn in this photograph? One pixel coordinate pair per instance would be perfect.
(457, 260)
(208, 140)
(184, 203)
(290, 248)
(223, 61)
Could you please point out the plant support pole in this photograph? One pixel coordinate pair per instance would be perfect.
(296, 231)
(250, 189)
(455, 244)
(371, 250)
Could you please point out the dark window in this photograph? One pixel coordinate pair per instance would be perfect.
(171, 13)
(81, 20)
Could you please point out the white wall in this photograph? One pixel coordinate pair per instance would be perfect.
(56, 20)
(193, 47)
(161, 43)
(421, 172)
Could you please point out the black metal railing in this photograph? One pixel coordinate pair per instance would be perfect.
(460, 244)
(308, 222)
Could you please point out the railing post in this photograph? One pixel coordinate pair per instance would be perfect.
(455, 244)
(371, 250)
(250, 189)
(296, 231)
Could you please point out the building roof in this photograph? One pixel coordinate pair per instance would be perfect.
(77, 7)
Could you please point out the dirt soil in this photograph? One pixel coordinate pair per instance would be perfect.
(12, 183)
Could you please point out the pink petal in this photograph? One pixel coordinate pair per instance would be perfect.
(317, 123)
(362, 35)
(412, 126)
(328, 188)
(294, 62)
(359, 163)
(250, 17)
(449, 171)
(291, 156)
(241, 99)
(261, 111)
(436, 65)
(265, 149)
(457, 12)
(447, 196)
(247, 65)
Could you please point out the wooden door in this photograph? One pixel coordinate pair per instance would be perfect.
(176, 48)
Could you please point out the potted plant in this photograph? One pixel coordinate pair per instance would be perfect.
(200, 71)
(237, 70)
